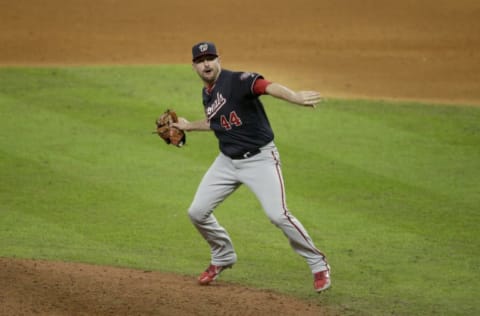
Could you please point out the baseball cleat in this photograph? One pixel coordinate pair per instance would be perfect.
(322, 280)
(211, 273)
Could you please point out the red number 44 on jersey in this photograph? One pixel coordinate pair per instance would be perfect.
(232, 120)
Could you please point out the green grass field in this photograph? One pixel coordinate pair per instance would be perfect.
(389, 191)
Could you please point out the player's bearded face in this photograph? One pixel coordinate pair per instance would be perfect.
(208, 68)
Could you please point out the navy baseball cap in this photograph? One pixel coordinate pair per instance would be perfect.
(203, 49)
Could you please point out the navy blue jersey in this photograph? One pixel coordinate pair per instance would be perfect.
(236, 114)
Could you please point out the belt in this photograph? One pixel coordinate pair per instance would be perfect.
(246, 155)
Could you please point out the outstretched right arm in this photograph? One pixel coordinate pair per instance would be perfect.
(304, 98)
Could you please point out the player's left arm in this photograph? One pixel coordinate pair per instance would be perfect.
(185, 125)
(304, 98)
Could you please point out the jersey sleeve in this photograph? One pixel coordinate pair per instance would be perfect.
(246, 82)
(260, 86)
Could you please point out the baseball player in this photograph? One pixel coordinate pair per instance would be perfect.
(248, 155)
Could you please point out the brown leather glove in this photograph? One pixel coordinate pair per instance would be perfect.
(170, 134)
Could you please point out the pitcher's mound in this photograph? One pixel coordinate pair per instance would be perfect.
(36, 287)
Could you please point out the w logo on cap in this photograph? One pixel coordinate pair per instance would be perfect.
(203, 48)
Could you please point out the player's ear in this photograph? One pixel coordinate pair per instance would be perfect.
(194, 66)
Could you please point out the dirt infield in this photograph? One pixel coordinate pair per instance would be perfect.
(422, 50)
(30, 287)
(412, 50)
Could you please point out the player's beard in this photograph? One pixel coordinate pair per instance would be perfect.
(209, 75)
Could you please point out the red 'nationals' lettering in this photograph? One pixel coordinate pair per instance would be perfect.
(233, 120)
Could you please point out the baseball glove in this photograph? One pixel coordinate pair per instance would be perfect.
(170, 134)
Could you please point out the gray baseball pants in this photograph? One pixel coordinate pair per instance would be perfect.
(263, 176)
